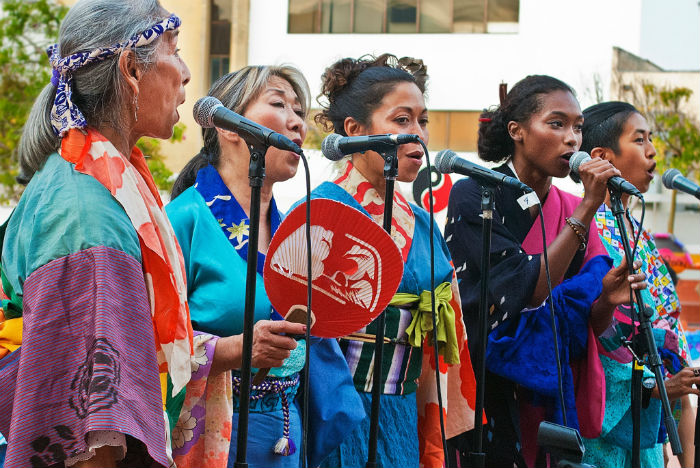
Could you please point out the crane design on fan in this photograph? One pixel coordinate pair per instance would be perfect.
(355, 270)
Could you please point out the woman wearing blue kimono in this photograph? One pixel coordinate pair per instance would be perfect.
(385, 95)
(209, 214)
(617, 132)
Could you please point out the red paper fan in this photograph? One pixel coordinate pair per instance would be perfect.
(356, 267)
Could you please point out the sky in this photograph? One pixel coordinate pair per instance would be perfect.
(670, 33)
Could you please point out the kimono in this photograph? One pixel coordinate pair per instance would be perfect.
(614, 446)
(93, 308)
(409, 431)
(212, 229)
(521, 376)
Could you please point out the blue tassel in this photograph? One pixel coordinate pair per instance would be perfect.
(285, 447)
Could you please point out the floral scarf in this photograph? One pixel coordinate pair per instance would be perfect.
(402, 223)
(131, 184)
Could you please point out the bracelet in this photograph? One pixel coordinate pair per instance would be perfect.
(579, 229)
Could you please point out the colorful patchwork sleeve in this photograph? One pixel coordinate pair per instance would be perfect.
(87, 360)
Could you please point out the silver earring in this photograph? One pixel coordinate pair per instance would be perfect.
(136, 107)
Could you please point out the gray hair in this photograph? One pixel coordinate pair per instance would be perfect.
(99, 90)
(236, 91)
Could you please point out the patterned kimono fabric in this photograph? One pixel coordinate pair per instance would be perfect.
(614, 446)
(409, 431)
(213, 231)
(94, 306)
(521, 370)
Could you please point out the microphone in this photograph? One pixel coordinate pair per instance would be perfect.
(209, 112)
(674, 180)
(447, 161)
(335, 147)
(616, 183)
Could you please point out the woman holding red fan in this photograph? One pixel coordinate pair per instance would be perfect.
(385, 95)
(209, 214)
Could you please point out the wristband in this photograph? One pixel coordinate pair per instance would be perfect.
(579, 229)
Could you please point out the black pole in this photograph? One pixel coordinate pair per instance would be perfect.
(256, 174)
(478, 456)
(645, 328)
(636, 394)
(391, 169)
(696, 462)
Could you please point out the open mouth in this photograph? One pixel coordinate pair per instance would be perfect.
(415, 155)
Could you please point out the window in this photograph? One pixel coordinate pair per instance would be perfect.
(219, 39)
(403, 16)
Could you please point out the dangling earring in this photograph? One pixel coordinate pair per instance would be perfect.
(136, 107)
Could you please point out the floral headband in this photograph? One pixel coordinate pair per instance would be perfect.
(65, 114)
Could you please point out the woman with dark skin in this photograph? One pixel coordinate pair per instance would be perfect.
(535, 131)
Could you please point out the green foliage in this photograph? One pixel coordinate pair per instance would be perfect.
(151, 148)
(677, 135)
(314, 133)
(27, 28)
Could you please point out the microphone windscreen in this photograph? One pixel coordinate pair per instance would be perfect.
(578, 158)
(329, 147)
(668, 177)
(204, 109)
(444, 160)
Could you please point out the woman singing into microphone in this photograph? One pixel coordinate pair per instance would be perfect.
(209, 214)
(385, 95)
(535, 131)
(617, 132)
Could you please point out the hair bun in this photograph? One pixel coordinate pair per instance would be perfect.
(341, 74)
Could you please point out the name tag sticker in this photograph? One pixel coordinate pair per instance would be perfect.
(528, 200)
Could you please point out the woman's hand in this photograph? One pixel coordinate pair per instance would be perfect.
(270, 346)
(594, 175)
(616, 291)
(617, 283)
(681, 384)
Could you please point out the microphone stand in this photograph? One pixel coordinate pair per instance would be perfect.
(645, 340)
(391, 170)
(696, 462)
(256, 174)
(478, 456)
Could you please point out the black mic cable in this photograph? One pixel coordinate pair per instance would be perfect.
(552, 314)
(432, 305)
(307, 334)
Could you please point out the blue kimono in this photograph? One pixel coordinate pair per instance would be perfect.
(212, 230)
(405, 417)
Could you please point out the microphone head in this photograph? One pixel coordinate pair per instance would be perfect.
(444, 160)
(576, 159)
(330, 148)
(668, 177)
(204, 109)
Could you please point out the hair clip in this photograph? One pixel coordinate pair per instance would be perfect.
(484, 119)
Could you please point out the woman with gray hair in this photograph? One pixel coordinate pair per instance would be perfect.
(94, 303)
(209, 214)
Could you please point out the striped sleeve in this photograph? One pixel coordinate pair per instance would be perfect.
(87, 360)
